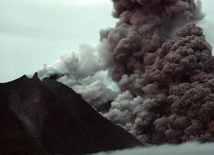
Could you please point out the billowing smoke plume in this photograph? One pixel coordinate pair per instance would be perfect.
(163, 68)
(177, 99)
(83, 71)
(143, 27)
(152, 66)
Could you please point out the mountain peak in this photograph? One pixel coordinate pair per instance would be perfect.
(57, 120)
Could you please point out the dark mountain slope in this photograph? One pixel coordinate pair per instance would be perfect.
(57, 119)
(14, 140)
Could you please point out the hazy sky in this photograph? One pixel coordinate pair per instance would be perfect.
(33, 32)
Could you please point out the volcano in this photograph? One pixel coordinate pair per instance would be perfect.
(47, 117)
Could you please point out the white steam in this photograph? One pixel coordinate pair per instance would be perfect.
(183, 149)
(85, 73)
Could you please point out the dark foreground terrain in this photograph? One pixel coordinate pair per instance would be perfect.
(46, 117)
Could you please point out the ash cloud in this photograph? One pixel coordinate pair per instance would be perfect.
(155, 63)
(162, 65)
(142, 28)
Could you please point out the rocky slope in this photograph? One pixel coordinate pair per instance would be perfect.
(46, 117)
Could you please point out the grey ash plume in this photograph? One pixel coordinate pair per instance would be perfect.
(161, 63)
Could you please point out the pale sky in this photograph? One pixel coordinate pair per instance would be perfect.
(34, 32)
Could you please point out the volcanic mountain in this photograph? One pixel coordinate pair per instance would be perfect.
(47, 117)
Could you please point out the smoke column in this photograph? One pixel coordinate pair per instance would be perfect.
(162, 65)
(143, 27)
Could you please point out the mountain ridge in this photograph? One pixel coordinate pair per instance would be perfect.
(59, 120)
